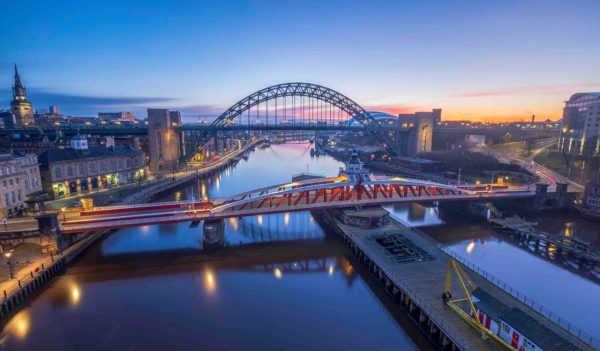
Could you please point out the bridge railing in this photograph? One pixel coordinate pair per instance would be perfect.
(545, 312)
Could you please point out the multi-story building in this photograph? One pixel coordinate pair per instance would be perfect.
(580, 132)
(80, 169)
(7, 119)
(19, 179)
(20, 105)
(591, 197)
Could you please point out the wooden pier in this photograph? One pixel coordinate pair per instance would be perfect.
(412, 268)
(527, 232)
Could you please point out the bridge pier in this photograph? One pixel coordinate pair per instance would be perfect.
(541, 195)
(49, 226)
(214, 234)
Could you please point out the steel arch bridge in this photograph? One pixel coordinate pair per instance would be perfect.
(295, 89)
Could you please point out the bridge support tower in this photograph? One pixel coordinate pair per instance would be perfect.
(164, 139)
(214, 234)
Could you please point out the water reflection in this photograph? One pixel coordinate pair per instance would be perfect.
(470, 247)
(19, 325)
(75, 294)
(277, 273)
(210, 281)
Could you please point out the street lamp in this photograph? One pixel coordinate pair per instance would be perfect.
(9, 264)
(63, 212)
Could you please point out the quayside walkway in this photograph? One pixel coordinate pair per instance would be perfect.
(416, 277)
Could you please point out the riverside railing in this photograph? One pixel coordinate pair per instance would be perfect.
(545, 312)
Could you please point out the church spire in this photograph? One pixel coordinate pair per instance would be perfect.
(19, 91)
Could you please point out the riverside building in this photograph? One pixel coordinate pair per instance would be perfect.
(80, 169)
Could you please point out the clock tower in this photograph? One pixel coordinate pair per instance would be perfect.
(20, 105)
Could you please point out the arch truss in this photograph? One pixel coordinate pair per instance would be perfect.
(296, 89)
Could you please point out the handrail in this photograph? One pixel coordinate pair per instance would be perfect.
(545, 312)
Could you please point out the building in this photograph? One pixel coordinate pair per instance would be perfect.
(7, 119)
(54, 110)
(580, 129)
(591, 196)
(421, 136)
(81, 169)
(164, 140)
(116, 117)
(20, 105)
(19, 180)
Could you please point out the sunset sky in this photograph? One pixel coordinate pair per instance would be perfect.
(483, 60)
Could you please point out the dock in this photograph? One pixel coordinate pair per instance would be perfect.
(412, 268)
(528, 233)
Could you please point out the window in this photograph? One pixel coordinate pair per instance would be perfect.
(6, 200)
(69, 171)
(81, 169)
(27, 186)
(14, 197)
(4, 183)
(113, 164)
(10, 182)
(128, 163)
(92, 168)
(18, 180)
(102, 166)
(120, 163)
(57, 173)
(159, 145)
(19, 195)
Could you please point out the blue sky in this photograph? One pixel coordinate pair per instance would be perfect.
(480, 59)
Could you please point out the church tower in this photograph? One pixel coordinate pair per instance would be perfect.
(20, 105)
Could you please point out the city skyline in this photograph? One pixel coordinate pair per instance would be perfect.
(475, 61)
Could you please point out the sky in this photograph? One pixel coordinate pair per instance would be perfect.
(480, 60)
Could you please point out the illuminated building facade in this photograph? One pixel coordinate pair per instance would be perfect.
(19, 178)
(81, 169)
(580, 129)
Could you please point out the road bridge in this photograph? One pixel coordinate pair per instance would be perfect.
(314, 194)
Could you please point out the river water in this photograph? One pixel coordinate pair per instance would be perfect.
(281, 282)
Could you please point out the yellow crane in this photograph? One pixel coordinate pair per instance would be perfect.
(467, 286)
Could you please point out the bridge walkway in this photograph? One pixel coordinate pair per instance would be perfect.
(424, 282)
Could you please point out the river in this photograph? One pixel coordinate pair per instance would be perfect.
(281, 282)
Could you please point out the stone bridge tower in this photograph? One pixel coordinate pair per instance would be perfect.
(163, 140)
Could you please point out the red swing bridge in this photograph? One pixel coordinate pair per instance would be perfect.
(353, 187)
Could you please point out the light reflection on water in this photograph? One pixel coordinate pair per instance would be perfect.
(228, 303)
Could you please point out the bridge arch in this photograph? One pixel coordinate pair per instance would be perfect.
(293, 89)
(310, 90)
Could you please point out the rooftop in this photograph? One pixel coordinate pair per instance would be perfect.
(58, 155)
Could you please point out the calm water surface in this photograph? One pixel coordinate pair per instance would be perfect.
(279, 284)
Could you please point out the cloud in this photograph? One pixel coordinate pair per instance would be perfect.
(396, 109)
(535, 89)
(85, 104)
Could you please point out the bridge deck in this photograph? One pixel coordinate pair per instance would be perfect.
(424, 281)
